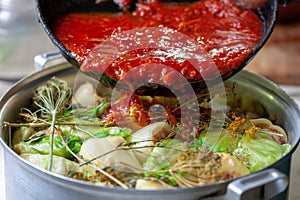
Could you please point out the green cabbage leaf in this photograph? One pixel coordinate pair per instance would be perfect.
(260, 151)
(219, 141)
(42, 146)
(61, 165)
(164, 154)
(87, 132)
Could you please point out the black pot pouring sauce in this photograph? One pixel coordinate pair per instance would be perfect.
(49, 10)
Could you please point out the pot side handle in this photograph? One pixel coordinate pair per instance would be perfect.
(41, 61)
(264, 184)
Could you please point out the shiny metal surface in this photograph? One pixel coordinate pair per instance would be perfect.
(33, 183)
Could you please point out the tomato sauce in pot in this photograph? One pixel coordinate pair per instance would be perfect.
(225, 32)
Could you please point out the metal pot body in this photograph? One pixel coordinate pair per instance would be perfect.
(27, 182)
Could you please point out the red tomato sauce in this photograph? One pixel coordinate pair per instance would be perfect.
(227, 33)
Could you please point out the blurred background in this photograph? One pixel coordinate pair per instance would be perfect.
(22, 38)
(279, 59)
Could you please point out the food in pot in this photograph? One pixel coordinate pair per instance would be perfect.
(115, 43)
(86, 141)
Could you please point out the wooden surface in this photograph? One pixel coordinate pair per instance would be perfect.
(279, 59)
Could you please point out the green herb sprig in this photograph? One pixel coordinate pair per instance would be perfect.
(52, 98)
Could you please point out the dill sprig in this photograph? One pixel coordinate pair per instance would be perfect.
(52, 98)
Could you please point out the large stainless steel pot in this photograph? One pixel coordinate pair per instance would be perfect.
(26, 182)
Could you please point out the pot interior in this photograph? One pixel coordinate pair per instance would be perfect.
(246, 84)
